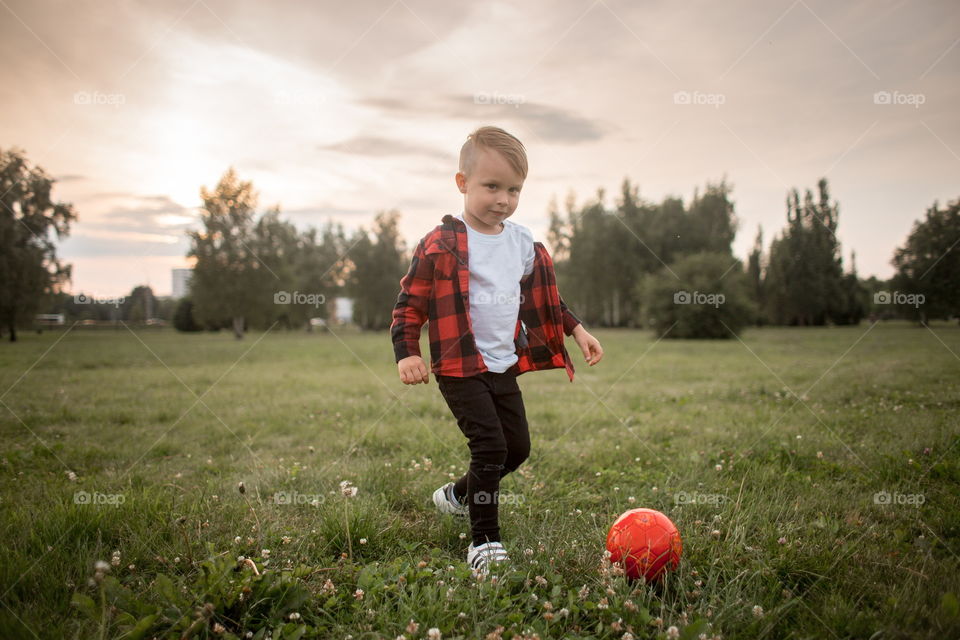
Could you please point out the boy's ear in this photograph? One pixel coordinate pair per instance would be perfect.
(461, 182)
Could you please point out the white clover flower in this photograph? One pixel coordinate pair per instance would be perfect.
(347, 489)
(757, 609)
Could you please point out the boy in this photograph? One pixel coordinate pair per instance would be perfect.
(490, 296)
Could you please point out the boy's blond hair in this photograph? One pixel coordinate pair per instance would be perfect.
(495, 139)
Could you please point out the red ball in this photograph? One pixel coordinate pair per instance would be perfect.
(645, 543)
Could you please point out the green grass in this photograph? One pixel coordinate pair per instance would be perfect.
(166, 425)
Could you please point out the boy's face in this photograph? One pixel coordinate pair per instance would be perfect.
(491, 192)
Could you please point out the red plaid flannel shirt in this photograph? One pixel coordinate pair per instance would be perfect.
(436, 290)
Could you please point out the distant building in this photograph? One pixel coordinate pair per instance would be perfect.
(49, 319)
(181, 282)
(343, 310)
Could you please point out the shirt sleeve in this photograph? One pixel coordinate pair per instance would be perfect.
(410, 311)
(528, 253)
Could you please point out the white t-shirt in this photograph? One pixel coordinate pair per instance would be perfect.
(497, 263)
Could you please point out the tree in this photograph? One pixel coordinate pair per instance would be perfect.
(602, 254)
(803, 284)
(140, 305)
(852, 303)
(711, 224)
(755, 277)
(230, 280)
(928, 264)
(276, 246)
(321, 264)
(29, 268)
(376, 266)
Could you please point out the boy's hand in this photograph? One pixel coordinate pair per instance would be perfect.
(592, 351)
(413, 370)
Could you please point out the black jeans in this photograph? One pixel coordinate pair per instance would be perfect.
(490, 413)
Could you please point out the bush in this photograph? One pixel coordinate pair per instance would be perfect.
(703, 295)
(183, 317)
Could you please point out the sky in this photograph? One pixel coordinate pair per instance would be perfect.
(337, 111)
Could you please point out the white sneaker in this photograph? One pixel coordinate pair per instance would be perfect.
(481, 559)
(446, 503)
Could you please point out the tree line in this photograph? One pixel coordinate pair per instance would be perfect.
(666, 266)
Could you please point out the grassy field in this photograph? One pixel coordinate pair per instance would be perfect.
(814, 475)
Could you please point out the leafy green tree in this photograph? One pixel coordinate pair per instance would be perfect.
(710, 222)
(376, 266)
(320, 266)
(601, 254)
(928, 264)
(852, 304)
(276, 245)
(755, 277)
(140, 305)
(805, 271)
(29, 268)
(231, 281)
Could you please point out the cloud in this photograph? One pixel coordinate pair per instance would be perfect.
(548, 123)
(142, 218)
(378, 146)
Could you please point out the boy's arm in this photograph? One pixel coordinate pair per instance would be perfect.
(570, 321)
(410, 312)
